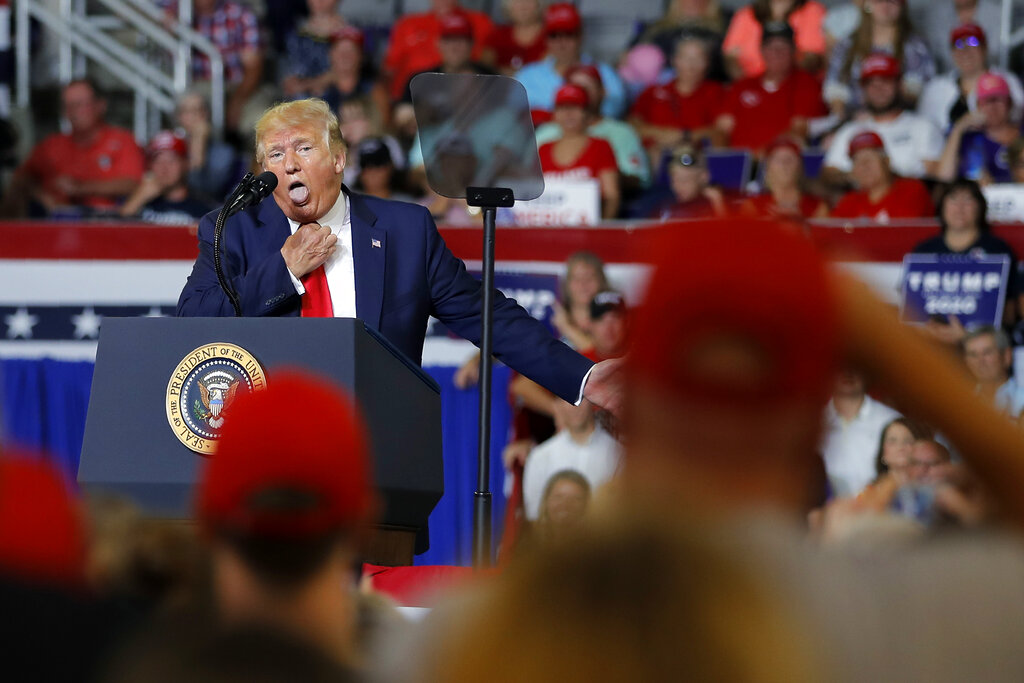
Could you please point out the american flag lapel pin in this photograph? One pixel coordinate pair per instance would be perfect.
(375, 243)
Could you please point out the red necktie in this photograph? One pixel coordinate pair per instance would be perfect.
(316, 302)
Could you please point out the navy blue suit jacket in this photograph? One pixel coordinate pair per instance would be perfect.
(410, 276)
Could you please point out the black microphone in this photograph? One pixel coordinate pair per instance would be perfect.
(253, 192)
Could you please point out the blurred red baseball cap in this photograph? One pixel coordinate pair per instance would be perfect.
(167, 141)
(291, 462)
(586, 69)
(965, 32)
(746, 284)
(456, 25)
(562, 17)
(571, 95)
(992, 85)
(867, 139)
(350, 33)
(879, 65)
(42, 536)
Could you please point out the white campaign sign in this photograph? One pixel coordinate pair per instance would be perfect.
(1005, 202)
(564, 202)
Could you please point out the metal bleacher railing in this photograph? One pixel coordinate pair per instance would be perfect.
(133, 41)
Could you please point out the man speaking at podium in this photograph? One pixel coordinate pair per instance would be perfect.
(317, 249)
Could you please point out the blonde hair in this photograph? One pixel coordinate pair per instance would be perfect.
(313, 113)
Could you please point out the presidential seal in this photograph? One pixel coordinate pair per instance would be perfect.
(202, 389)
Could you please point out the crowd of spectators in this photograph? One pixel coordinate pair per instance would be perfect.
(773, 75)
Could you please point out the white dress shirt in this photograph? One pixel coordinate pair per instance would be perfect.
(340, 267)
(849, 448)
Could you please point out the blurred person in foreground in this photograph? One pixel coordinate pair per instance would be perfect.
(879, 194)
(693, 196)
(89, 169)
(854, 423)
(722, 420)
(989, 358)
(285, 511)
(163, 196)
(786, 194)
(978, 144)
(306, 247)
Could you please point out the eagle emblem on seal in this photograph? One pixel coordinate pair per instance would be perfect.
(217, 390)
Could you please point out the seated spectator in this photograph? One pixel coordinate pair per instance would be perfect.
(965, 231)
(895, 448)
(163, 196)
(989, 358)
(360, 119)
(913, 143)
(88, 169)
(414, 42)
(880, 195)
(455, 46)
(953, 94)
(702, 19)
(283, 513)
(609, 325)
(564, 30)
(742, 58)
(629, 153)
(786, 196)
(936, 18)
(577, 155)
(978, 145)
(584, 278)
(563, 507)
(581, 444)
(853, 428)
(214, 167)
(780, 101)
(666, 114)
(692, 194)
(307, 67)
(234, 30)
(377, 174)
(884, 27)
(350, 74)
(511, 46)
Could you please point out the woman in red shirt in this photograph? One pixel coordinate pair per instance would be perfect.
(576, 155)
(666, 114)
(521, 41)
(784, 180)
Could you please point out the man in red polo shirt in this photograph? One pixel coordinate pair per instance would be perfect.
(880, 195)
(92, 168)
(413, 47)
(780, 101)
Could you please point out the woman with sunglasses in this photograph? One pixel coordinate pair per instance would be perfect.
(949, 97)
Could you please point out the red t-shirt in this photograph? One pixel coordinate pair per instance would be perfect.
(510, 54)
(596, 157)
(112, 155)
(764, 205)
(413, 46)
(907, 198)
(662, 105)
(762, 115)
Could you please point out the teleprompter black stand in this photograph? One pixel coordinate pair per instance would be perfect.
(478, 144)
(131, 450)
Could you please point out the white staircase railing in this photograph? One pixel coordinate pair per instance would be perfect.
(156, 83)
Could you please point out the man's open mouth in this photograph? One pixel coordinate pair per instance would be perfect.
(298, 193)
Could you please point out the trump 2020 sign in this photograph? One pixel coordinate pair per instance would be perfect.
(973, 288)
